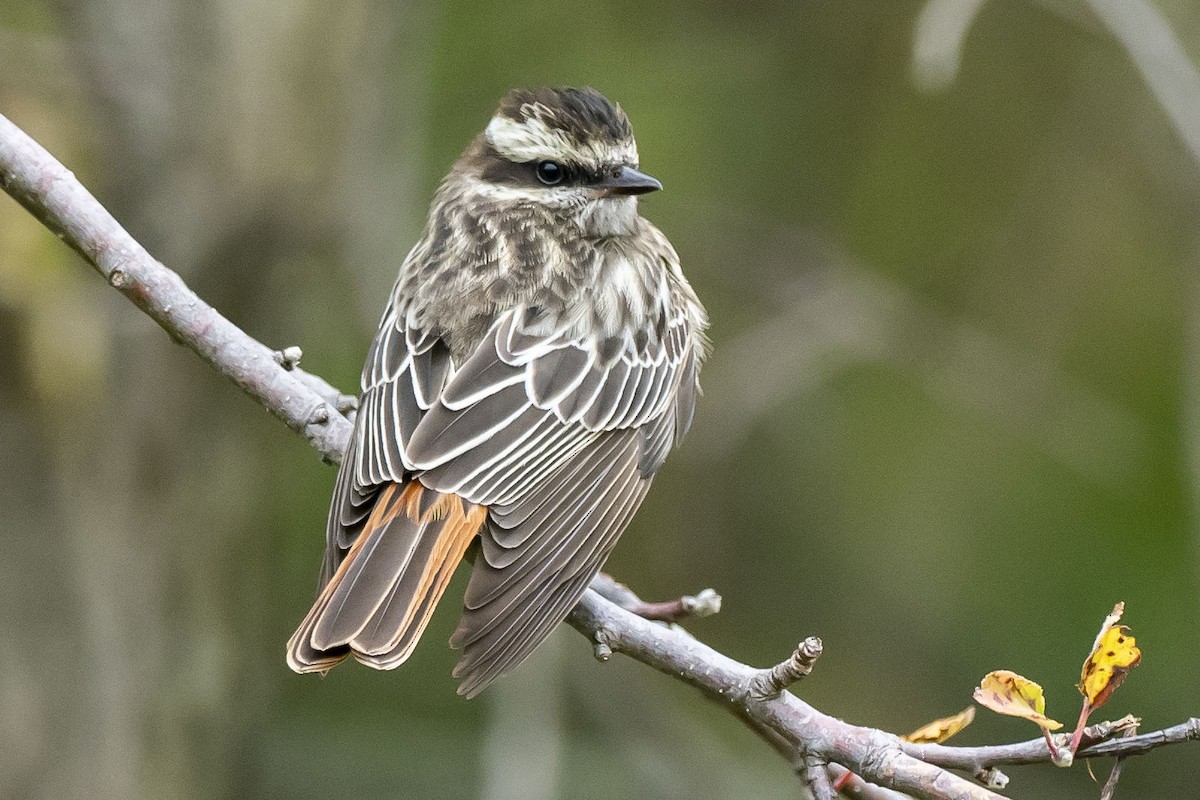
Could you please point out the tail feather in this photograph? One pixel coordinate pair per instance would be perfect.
(438, 557)
(382, 595)
(402, 645)
(389, 619)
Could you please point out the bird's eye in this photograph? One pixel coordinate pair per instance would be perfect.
(551, 173)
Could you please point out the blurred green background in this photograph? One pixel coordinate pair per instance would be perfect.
(952, 415)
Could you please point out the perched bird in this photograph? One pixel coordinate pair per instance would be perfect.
(537, 359)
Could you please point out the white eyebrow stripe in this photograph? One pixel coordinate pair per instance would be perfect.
(534, 140)
(530, 140)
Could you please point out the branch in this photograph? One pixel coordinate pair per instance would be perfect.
(704, 604)
(50, 192)
(872, 754)
(1034, 751)
(1110, 785)
(811, 741)
(771, 682)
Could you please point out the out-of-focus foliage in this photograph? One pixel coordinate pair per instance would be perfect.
(955, 370)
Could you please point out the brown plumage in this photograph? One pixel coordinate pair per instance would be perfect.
(537, 360)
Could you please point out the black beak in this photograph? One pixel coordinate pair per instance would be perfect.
(626, 181)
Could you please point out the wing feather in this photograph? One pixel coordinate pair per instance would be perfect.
(572, 407)
(609, 397)
(655, 439)
(534, 507)
(631, 409)
(454, 474)
(429, 371)
(575, 533)
(553, 520)
(535, 612)
(512, 476)
(391, 457)
(517, 478)
(408, 415)
(484, 374)
(587, 562)
(685, 395)
(556, 374)
(444, 434)
(403, 375)
(393, 354)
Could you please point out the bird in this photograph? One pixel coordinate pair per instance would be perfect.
(538, 357)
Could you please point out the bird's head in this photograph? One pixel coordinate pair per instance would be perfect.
(570, 150)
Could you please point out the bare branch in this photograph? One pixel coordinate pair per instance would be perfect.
(975, 759)
(1110, 785)
(875, 755)
(992, 778)
(50, 192)
(768, 683)
(704, 604)
(816, 778)
(854, 787)
(808, 739)
(1144, 743)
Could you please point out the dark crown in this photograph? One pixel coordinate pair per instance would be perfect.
(584, 114)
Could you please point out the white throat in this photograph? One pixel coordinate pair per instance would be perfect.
(609, 216)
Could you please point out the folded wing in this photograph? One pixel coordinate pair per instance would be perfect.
(560, 439)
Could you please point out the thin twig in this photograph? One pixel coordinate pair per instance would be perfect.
(768, 683)
(854, 787)
(816, 778)
(992, 778)
(705, 603)
(973, 759)
(1110, 785)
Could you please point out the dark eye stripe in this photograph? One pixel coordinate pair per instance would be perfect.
(495, 168)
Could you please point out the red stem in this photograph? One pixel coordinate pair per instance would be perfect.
(1079, 726)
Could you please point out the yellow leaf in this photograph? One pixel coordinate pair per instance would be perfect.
(1115, 653)
(1007, 692)
(942, 729)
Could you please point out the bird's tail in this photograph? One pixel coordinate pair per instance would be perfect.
(379, 600)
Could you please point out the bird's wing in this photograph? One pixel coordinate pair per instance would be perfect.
(405, 371)
(524, 404)
(539, 555)
(560, 440)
